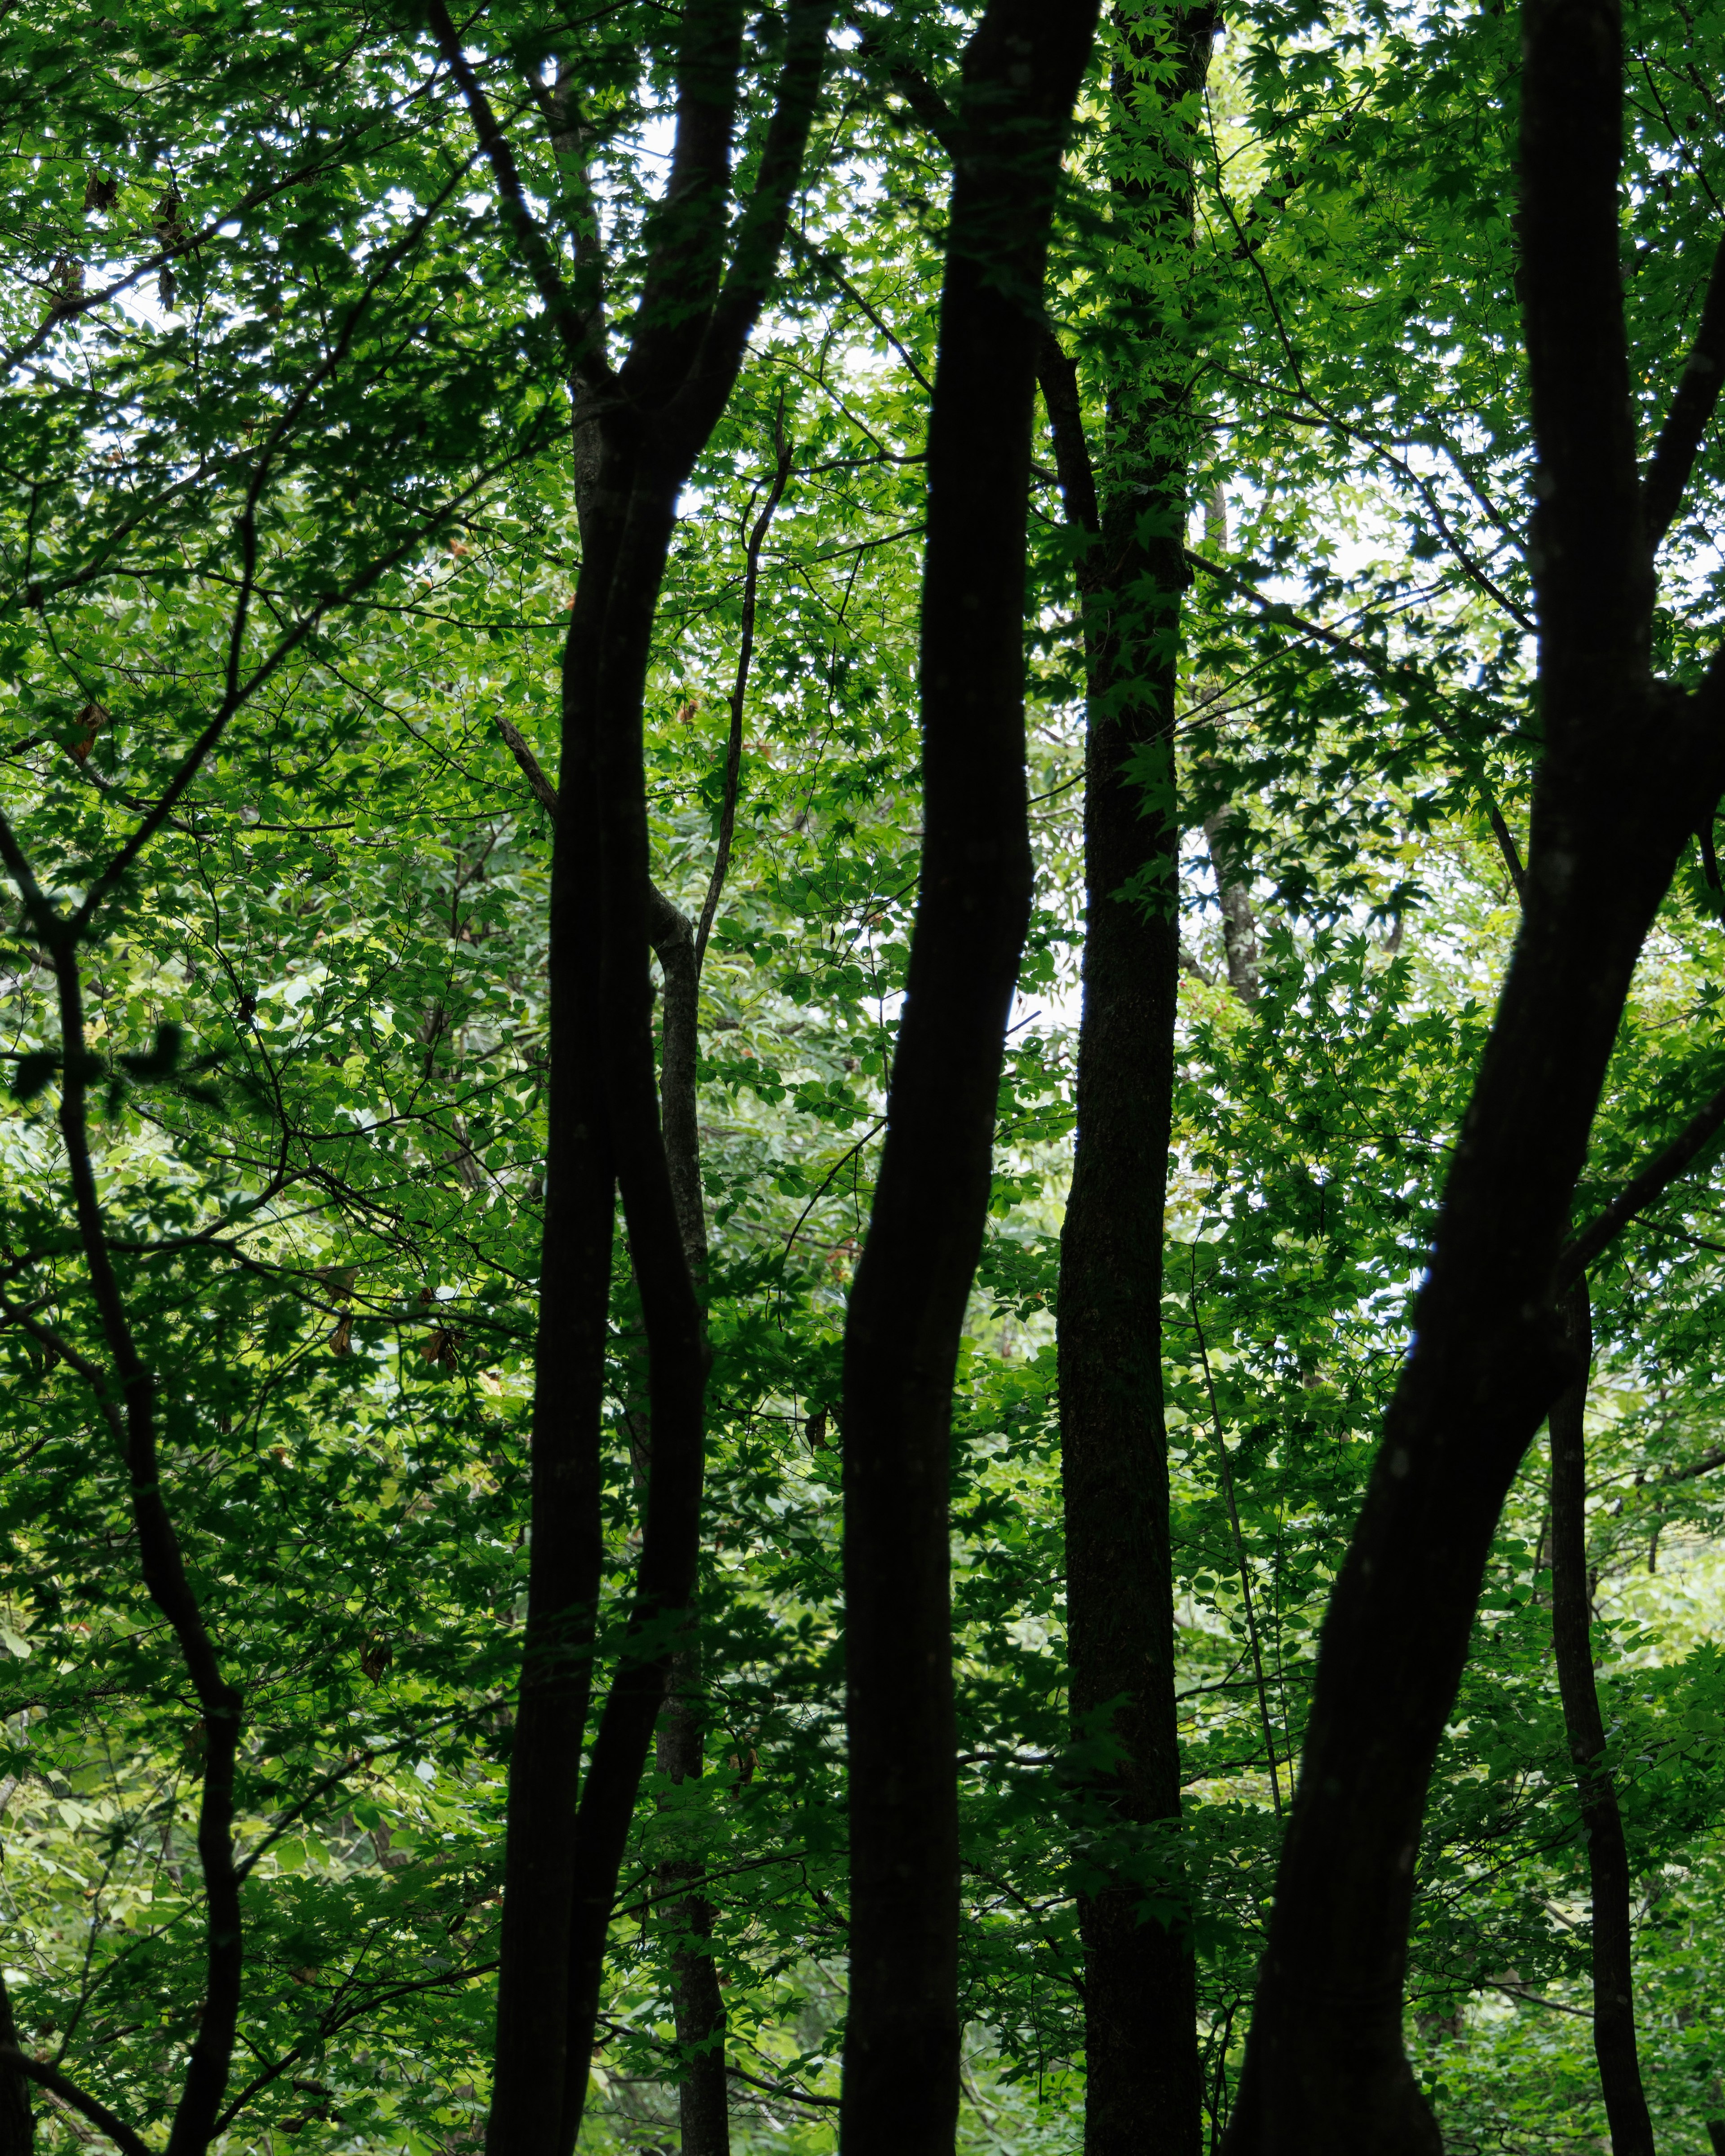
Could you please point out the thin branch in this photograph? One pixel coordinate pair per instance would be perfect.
(1673, 459)
(544, 792)
(69, 2093)
(733, 755)
(335, 2020)
(873, 1132)
(829, 266)
(1578, 1253)
(1245, 1578)
(585, 358)
(1397, 676)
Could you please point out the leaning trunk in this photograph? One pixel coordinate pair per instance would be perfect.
(697, 2003)
(1628, 766)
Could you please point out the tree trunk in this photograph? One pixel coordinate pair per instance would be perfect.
(1234, 893)
(697, 2005)
(566, 1553)
(17, 2126)
(1607, 1859)
(1630, 766)
(1021, 73)
(637, 432)
(1141, 2046)
(703, 2102)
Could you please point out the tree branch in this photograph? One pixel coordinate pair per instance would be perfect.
(733, 754)
(560, 303)
(761, 231)
(69, 2093)
(1578, 1253)
(1673, 459)
(1057, 376)
(673, 940)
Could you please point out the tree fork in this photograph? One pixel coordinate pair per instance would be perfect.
(637, 431)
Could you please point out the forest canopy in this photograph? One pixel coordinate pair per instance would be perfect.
(860, 1123)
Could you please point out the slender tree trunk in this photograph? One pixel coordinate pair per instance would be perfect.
(1141, 2046)
(1607, 1859)
(638, 430)
(1021, 73)
(566, 1553)
(1240, 919)
(1234, 893)
(703, 2102)
(1629, 767)
(697, 2003)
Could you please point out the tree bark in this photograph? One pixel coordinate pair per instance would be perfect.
(1141, 2046)
(1629, 765)
(1233, 892)
(1021, 73)
(1240, 920)
(566, 1553)
(703, 2106)
(637, 432)
(17, 2125)
(1608, 1858)
(703, 2101)
(679, 1752)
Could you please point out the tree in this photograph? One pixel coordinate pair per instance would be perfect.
(1140, 2053)
(1021, 73)
(318, 1067)
(1629, 768)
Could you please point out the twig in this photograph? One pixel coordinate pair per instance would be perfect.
(733, 758)
(1245, 1581)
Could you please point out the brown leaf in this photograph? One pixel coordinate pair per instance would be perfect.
(91, 719)
(442, 1345)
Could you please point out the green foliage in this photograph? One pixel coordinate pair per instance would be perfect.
(285, 446)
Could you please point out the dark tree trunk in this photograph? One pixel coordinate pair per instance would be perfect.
(1140, 2033)
(703, 2103)
(1607, 1859)
(697, 2005)
(17, 2125)
(567, 1554)
(1141, 2046)
(1629, 767)
(1021, 73)
(637, 433)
